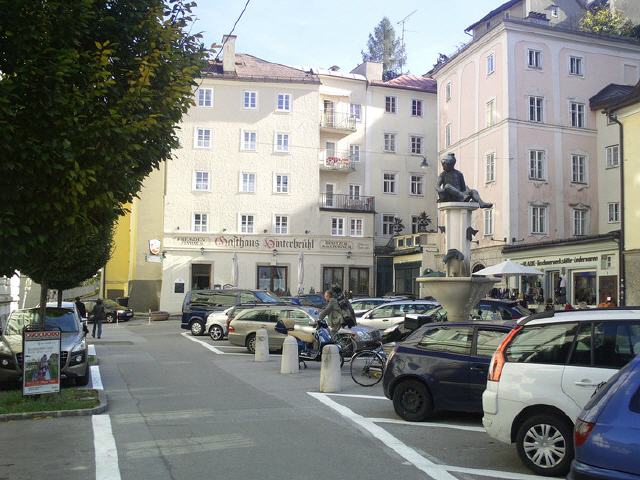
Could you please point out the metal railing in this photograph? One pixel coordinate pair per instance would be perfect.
(337, 120)
(339, 201)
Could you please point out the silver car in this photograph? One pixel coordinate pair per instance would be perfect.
(73, 349)
(388, 316)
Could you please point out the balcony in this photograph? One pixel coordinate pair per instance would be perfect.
(346, 203)
(336, 161)
(337, 122)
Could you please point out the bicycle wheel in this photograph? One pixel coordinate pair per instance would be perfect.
(367, 368)
(347, 345)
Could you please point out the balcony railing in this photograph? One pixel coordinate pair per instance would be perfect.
(336, 161)
(338, 201)
(337, 121)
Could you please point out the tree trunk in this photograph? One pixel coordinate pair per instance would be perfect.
(59, 298)
(43, 303)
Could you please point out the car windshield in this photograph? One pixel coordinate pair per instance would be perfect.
(61, 318)
(523, 311)
(267, 297)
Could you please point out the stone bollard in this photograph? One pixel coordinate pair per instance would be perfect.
(262, 346)
(289, 363)
(330, 374)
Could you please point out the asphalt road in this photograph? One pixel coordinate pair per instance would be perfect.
(179, 410)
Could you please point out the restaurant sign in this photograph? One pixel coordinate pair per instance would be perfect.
(251, 242)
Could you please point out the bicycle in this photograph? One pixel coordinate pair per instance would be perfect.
(367, 366)
(348, 345)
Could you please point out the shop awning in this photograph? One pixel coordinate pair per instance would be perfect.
(507, 268)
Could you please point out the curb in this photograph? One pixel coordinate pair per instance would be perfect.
(101, 408)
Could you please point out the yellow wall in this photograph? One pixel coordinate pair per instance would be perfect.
(117, 268)
(630, 118)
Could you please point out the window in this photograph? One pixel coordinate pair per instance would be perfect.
(416, 184)
(416, 108)
(282, 142)
(577, 114)
(491, 113)
(491, 64)
(488, 342)
(389, 183)
(200, 222)
(534, 58)
(579, 222)
(203, 138)
(387, 224)
(416, 145)
(390, 104)
(447, 135)
(488, 221)
(247, 223)
(538, 219)
(354, 153)
(280, 183)
(415, 224)
(247, 182)
(546, 344)
(284, 102)
(536, 109)
(575, 66)
(201, 181)
(337, 226)
(275, 279)
(205, 97)
(332, 276)
(249, 140)
(614, 212)
(390, 142)
(359, 281)
(578, 169)
(250, 100)
(536, 165)
(355, 109)
(356, 227)
(200, 280)
(615, 343)
(613, 156)
(447, 91)
(455, 340)
(354, 191)
(281, 224)
(490, 168)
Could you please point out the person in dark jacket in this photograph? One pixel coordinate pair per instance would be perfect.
(332, 312)
(82, 310)
(98, 315)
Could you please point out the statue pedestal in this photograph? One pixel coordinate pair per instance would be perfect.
(457, 219)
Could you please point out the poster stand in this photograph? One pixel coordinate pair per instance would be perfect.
(41, 361)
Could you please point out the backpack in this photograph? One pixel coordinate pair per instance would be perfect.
(348, 315)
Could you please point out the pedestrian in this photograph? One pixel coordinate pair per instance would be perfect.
(82, 310)
(332, 312)
(98, 316)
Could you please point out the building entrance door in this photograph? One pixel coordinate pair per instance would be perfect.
(200, 276)
(332, 276)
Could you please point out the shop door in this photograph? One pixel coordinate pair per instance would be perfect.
(584, 288)
(359, 281)
(274, 278)
(332, 276)
(200, 276)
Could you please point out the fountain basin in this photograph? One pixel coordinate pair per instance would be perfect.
(458, 295)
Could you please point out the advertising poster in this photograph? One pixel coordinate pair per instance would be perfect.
(41, 362)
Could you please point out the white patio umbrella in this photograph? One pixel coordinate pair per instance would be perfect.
(235, 270)
(300, 273)
(507, 268)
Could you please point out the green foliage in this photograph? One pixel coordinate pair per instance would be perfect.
(607, 22)
(383, 46)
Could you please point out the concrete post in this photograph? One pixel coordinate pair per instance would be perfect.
(289, 363)
(262, 346)
(330, 374)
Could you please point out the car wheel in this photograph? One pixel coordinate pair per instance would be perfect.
(250, 343)
(197, 328)
(83, 381)
(412, 401)
(110, 317)
(216, 333)
(545, 444)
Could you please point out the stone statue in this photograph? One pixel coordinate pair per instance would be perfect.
(451, 185)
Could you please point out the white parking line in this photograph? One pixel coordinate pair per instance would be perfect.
(204, 344)
(396, 421)
(105, 449)
(92, 349)
(371, 397)
(96, 380)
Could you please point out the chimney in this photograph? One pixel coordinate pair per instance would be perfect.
(229, 54)
(372, 71)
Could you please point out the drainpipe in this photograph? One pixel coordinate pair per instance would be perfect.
(621, 267)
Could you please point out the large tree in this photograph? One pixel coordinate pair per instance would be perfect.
(606, 21)
(384, 47)
(91, 93)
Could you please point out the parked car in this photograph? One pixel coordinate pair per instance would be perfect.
(112, 309)
(389, 315)
(493, 309)
(313, 300)
(442, 367)
(544, 373)
(243, 327)
(607, 433)
(363, 305)
(216, 325)
(73, 349)
(199, 304)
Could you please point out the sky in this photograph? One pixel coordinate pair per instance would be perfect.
(314, 33)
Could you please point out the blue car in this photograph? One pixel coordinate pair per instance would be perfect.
(442, 366)
(607, 433)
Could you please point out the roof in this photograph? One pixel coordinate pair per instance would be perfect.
(410, 82)
(620, 102)
(593, 314)
(492, 13)
(253, 68)
(609, 94)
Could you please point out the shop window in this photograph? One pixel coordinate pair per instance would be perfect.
(584, 288)
(405, 278)
(274, 278)
(200, 276)
(359, 281)
(331, 277)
